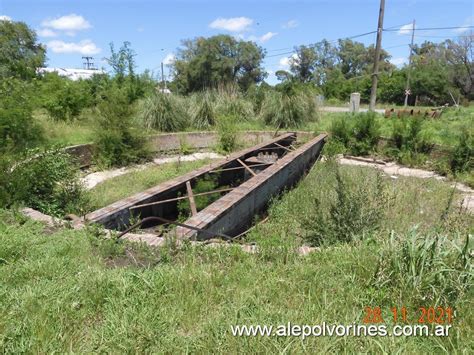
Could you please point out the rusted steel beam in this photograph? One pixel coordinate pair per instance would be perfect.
(181, 198)
(192, 203)
(281, 146)
(239, 167)
(246, 167)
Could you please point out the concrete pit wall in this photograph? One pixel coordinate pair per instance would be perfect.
(234, 212)
(174, 142)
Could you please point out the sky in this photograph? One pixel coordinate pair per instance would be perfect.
(72, 28)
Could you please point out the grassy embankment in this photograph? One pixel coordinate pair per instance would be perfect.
(67, 290)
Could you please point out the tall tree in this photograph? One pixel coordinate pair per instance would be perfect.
(208, 62)
(303, 63)
(20, 54)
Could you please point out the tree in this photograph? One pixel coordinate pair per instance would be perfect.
(209, 62)
(460, 57)
(303, 63)
(20, 54)
(283, 75)
(123, 67)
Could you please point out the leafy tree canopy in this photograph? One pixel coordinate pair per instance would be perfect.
(219, 60)
(20, 54)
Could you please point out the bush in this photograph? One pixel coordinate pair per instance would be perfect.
(202, 110)
(44, 180)
(366, 133)
(64, 99)
(359, 133)
(18, 130)
(350, 209)
(462, 156)
(227, 132)
(284, 110)
(117, 143)
(430, 270)
(164, 112)
(408, 135)
(235, 105)
(341, 130)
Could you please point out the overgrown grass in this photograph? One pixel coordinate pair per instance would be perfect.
(75, 291)
(408, 203)
(166, 113)
(135, 181)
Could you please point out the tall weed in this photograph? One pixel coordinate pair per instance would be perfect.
(166, 113)
(429, 270)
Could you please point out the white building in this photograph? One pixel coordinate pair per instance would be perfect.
(73, 74)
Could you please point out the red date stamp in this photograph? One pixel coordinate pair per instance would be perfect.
(423, 315)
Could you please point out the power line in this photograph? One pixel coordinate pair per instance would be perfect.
(433, 28)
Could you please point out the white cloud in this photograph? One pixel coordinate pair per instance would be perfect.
(290, 24)
(469, 22)
(141, 29)
(69, 23)
(284, 62)
(169, 59)
(267, 36)
(234, 24)
(399, 61)
(46, 32)
(85, 47)
(5, 18)
(406, 29)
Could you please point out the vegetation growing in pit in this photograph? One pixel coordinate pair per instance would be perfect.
(205, 184)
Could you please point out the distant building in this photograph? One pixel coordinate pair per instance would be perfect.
(73, 74)
(163, 91)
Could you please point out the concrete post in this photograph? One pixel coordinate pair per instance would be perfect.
(355, 102)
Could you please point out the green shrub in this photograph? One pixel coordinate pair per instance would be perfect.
(117, 143)
(227, 132)
(236, 106)
(44, 180)
(18, 130)
(350, 208)
(359, 133)
(202, 110)
(164, 112)
(408, 135)
(341, 130)
(64, 99)
(333, 147)
(461, 159)
(366, 133)
(429, 270)
(284, 110)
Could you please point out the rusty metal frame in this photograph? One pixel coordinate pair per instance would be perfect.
(118, 214)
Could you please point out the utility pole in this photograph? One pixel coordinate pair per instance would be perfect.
(378, 47)
(88, 64)
(407, 87)
(163, 83)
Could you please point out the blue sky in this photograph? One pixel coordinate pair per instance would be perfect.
(73, 28)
